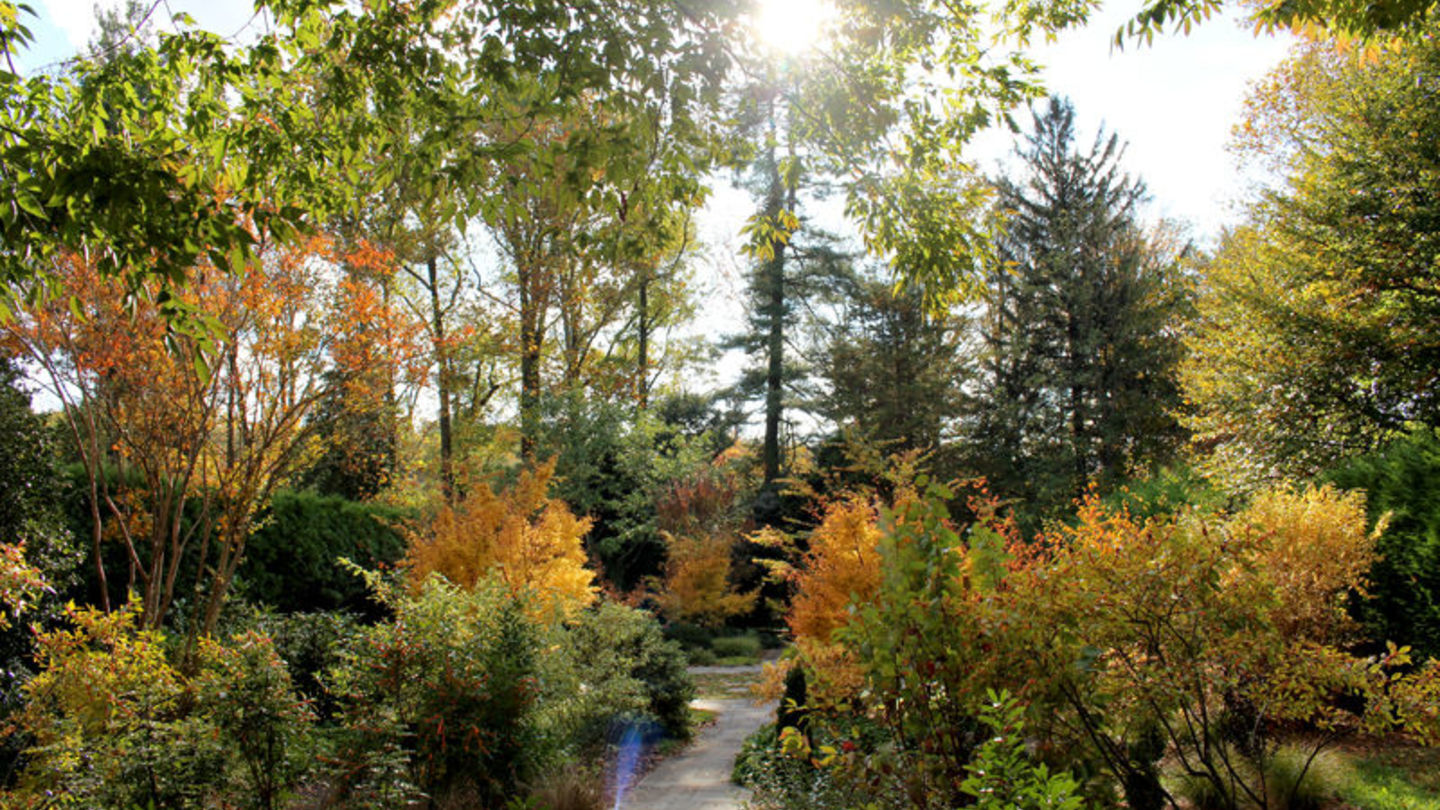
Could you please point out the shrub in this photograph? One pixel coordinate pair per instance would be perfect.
(1128, 637)
(625, 671)
(689, 635)
(746, 646)
(1003, 777)
(442, 697)
(702, 521)
(244, 689)
(530, 541)
(117, 724)
(291, 559)
(1401, 482)
(312, 644)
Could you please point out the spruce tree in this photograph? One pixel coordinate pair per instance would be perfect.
(1079, 340)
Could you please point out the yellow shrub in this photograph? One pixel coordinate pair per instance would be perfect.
(532, 541)
(1315, 550)
(843, 564)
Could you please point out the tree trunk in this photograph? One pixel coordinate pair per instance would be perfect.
(779, 198)
(442, 380)
(530, 352)
(642, 363)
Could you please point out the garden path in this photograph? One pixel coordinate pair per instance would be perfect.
(699, 778)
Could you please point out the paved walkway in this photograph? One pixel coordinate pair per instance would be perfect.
(699, 778)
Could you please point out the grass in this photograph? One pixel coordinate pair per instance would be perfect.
(723, 685)
(1392, 777)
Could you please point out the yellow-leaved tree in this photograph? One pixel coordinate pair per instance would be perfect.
(530, 541)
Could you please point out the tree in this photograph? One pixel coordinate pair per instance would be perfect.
(894, 367)
(1080, 344)
(1316, 336)
(524, 539)
(206, 450)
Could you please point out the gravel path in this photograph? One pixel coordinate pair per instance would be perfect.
(699, 778)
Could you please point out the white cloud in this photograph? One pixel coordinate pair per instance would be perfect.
(76, 18)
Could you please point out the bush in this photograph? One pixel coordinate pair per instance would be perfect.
(690, 636)
(520, 536)
(622, 661)
(1118, 630)
(312, 644)
(442, 698)
(117, 724)
(291, 559)
(1401, 482)
(1003, 777)
(746, 646)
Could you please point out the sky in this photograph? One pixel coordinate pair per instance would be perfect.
(1173, 102)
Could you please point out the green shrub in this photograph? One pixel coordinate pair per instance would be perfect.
(1002, 776)
(701, 657)
(753, 752)
(448, 689)
(690, 636)
(118, 724)
(1403, 481)
(244, 689)
(746, 646)
(291, 559)
(311, 644)
(627, 672)
(1167, 491)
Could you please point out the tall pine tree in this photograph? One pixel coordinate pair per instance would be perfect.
(1080, 348)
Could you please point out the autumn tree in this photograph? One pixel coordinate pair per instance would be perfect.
(702, 518)
(531, 541)
(207, 448)
(1316, 336)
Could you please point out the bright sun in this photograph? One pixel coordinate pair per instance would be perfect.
(793, 26)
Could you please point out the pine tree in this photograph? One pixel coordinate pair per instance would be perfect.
(1080, 349)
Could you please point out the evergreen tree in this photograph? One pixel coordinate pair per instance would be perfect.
(893, 367)
(1078, 378)
(794, 263)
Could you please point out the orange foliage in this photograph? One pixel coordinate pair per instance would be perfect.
(532, 542)
(701, 521)
(843, 565)
(208, 408)
(697, 586)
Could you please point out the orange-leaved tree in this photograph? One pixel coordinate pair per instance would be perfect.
(533, 543)
(701, 519)
(204, 423)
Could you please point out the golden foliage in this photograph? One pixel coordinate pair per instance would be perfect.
(530, 540)
(697, 586)
(1317, 552)
(843, 565)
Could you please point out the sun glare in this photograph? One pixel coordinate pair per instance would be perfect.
(793, 27)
